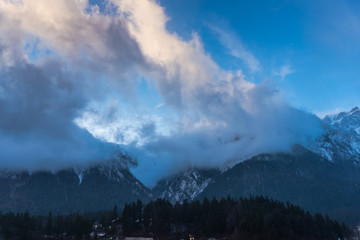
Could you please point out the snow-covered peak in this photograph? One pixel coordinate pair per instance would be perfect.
(355, 109)
(341, 139)
(346, 120)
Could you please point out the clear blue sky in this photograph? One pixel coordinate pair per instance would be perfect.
(317, 40)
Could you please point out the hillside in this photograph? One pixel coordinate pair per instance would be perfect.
(98, 187)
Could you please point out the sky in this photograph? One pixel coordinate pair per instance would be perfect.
(308, 48)
(174, 84)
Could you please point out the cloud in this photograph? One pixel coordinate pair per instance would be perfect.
(220, 117)
(227, 135)
(41, 96)
(88, 79)
(158, 106)
(37, 108)
(284, 71)
(236, 48)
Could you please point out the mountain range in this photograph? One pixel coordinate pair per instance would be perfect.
(322, 177)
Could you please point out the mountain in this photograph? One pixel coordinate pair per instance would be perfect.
(341, 139)
(98, 187)
(301, 177)
(185, 185)
(324, 177)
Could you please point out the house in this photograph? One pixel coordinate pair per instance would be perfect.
(99, 235)
(117, 225)
(97, 226)
(98, 231)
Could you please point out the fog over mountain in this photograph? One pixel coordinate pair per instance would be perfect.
(79, 84)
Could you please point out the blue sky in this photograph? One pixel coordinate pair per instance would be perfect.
(318, 40)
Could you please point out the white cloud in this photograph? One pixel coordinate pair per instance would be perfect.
(284, 71)
(236, 48)
(159, 106)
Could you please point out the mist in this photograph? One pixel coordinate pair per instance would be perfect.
(71, 93)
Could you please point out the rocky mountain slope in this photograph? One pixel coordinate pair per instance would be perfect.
(341, 139)
(95, 188)
(185, 185)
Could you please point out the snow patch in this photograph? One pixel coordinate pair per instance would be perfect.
(357, 130)
(187, 185)
(79, 174)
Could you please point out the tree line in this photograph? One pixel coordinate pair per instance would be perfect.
(246, 218)
(24, 226)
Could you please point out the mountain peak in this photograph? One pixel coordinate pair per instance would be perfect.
(355, 109)
(341, 140)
